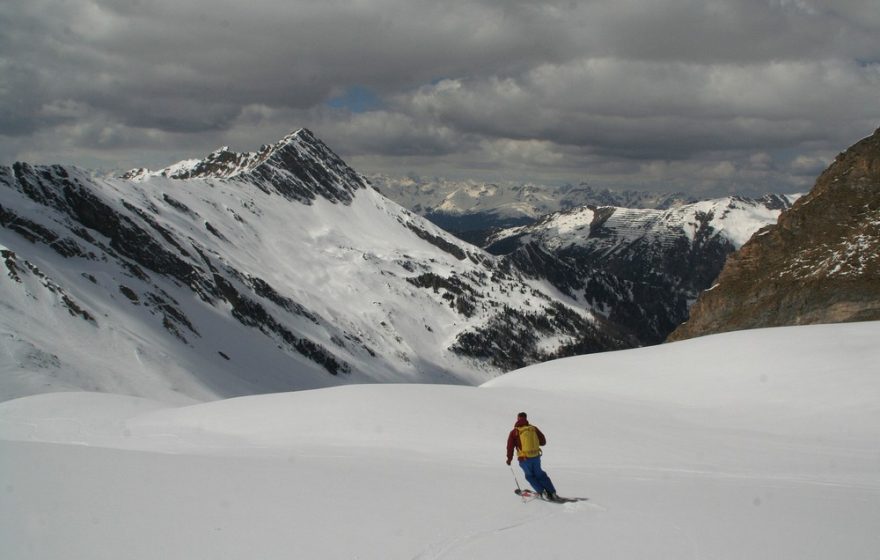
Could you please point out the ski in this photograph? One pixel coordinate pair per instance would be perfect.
(529, 495)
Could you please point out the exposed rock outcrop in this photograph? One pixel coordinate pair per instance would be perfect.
(819, 264)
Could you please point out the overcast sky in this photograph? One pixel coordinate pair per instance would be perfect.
(709, 96)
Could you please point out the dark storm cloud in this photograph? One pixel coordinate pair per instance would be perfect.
(193, 66)
(618, 88)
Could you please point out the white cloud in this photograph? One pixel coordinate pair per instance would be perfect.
(809, 165)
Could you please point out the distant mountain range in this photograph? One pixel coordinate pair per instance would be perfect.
(472, 210)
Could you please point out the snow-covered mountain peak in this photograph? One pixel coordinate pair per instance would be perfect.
(301, 133)
(299, 167)
(301, 140)
(277, 270)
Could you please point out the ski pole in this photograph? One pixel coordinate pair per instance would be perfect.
(516, 480)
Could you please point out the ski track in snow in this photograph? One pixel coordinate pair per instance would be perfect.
(460, 543)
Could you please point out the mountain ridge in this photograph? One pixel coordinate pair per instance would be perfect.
(288, 274)
(640, 268)
(293, 167)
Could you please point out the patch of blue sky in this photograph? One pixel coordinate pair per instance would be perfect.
(357, 99)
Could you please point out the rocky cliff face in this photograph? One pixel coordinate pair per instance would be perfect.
(819, 264)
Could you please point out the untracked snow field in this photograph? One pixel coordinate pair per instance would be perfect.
(759, 444)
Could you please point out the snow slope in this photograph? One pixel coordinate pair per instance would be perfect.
(260, 272)
(757, 444)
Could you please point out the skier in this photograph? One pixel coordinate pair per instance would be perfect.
(528, 439)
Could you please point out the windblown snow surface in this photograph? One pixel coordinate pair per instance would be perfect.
(750, 445)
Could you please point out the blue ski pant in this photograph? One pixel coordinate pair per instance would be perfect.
(536, 475)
